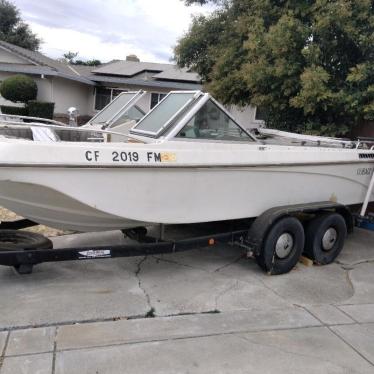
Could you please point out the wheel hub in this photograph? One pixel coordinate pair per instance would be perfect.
(329, 239)
(284, 245)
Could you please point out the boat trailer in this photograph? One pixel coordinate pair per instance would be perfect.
(23, 250)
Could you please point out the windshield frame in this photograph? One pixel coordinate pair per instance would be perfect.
(170, 121)
(137, 95)
(189, 115)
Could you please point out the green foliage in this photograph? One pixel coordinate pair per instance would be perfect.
(308, 64)
(93, 62)
(14, 30)
(151, 313)
(18, 111)
(202, 2)
(19, 88)
(70, 58)
(41, 109)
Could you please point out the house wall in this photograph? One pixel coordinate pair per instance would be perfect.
(67, 93)
(63, 92)
(44, 88)
(144, 103)
(245, 116)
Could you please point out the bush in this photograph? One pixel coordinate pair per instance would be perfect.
(18, 111)
(41, 109)
(19, 88)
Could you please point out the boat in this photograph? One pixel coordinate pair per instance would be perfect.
(186, 161)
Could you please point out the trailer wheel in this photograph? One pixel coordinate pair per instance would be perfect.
(16, 240)
(325, 236)
(282, 246)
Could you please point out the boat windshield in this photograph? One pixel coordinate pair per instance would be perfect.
(211, 122)
(163, 114)
(119, 110)
(134, 113)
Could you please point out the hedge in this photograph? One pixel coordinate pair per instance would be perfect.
(19, 88)
(18, 111)
(41, 109)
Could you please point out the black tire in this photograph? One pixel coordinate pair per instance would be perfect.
(16, 240)
(269, 260)
(315, 247)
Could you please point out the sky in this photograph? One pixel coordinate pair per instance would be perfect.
(109, 29)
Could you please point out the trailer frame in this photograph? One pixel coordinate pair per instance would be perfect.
(247, 233)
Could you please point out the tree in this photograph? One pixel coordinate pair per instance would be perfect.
(92, 62)
(14, 30)
(308, 64)
(70, 58)
(19, 88)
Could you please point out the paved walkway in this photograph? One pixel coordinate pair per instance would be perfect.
(215, 312)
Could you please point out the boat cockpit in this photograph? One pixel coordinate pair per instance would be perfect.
(179, 116)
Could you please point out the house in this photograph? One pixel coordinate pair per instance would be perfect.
(90, 88)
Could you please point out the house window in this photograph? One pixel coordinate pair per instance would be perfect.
(156, 98)
(116, 92)
(104, 96)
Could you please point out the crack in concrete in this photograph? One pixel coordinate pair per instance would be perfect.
(2, 356)
(277, 348)
(347, 272)
(229, 263)
(270, 289)
(353, 264)
(137, 274)
(337, 334)
(345, 313)
(200, 268)
(54, 351)
(350, 346)
(349, 281)
(224, 292)
(176, 263)
(348, 268)
(187, 337)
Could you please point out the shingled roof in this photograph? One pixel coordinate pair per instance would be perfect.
(119, 71)
(40, 64)
(129, 69)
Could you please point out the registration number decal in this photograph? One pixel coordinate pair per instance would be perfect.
(130, 157)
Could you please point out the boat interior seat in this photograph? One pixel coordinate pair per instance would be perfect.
(17, 133)
(123, 128)
(77, 136)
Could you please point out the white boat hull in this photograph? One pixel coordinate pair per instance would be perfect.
(105, 198)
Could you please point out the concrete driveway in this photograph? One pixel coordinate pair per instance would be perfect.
(214, 312)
